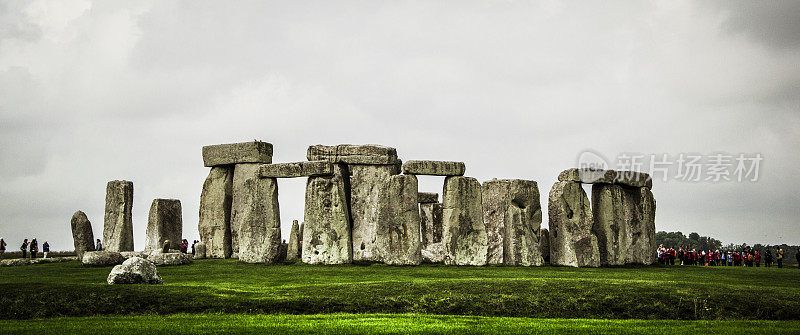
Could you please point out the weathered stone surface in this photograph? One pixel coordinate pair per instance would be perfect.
(326, 230)
(135, 270)
(117, 223)
(513, 215)
(237, 153)
(399, 222)
(544, 245)
(82, 235)
(434, 253)
(354, 154)
(200, 250)
(572, 242)
(431, 223)
(427, 198)
(463, 232)
(102, 258)
(283, 249)
(27, 261)
(255, 215)
(130, 254)
(165, 223)
(160, 258)
(623, 224)
(369, 188)
(294, 170)
(215, 212)
(293, 249)
(434, 168)
(596, 176)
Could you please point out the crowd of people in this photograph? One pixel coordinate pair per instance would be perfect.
(748, 257)
(26, 247)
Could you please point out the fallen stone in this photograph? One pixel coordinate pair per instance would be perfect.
(237, 153)
(102, 258)
(169, 258)
(513, 216)
(399, 211)
(368, 188)
(354, 154)
(130, 254)
(164, 223)
(199, 250)
(294, 248)
(255, 215)
(215, 212)
(427, 198)
(572, 242)
(135, 270)
(430, 223)
(544, 245)
(294, 170)
(15, 262)
(434, 253)
(434, 168)
(82, 235)
(463, 232)
(117, 223)
(326, 230)
(597, 176)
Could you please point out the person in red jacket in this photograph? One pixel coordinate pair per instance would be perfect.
(757, 259)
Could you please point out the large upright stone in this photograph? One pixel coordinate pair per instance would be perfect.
(326, 230)
(369, 154)
(82, 235)
(463, 233)
(434, 168)
(623, 224)
(215, 212)
(643, 248)
(236, 153)
(431, 223)
(513, 216)
(572, 242)
(295, 170)
(369, 186)
(164, 223)
(255, 215)
(293, 250)
(399, 222)
(118, 223)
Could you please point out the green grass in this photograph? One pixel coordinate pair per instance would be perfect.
(383, 323)
(226, 286)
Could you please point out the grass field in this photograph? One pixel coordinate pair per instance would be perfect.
(444, 299)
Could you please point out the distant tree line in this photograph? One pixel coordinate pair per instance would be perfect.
(677, 239)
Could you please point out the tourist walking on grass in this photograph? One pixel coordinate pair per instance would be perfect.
(24, 248)
(757, 258)
(99, 246)
(45, 249)
(768, 258)
(184, 246)
(2, 247)
(779, 257)
(34, 248)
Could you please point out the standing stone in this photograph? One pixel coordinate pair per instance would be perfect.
(293, 251)
(513, 216)
(82, 235)
(200, 250)
(463, 233)
(215, 212)
(616, 214)
(644, 247)
(369, 188)
(326, 230)
(118, 224)
(431, 223)
(255, 215)
(164, 224)
(544, 245)
(572, 242)
(399, 222)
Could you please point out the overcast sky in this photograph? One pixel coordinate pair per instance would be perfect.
(97, 91)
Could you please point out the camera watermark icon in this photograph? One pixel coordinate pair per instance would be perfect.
(687, 167)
